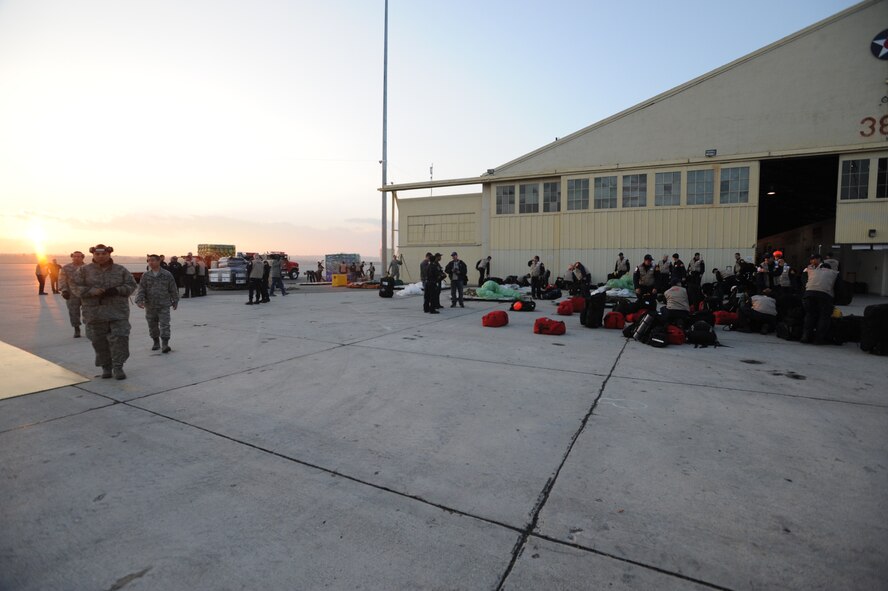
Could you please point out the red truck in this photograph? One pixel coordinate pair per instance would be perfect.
(288, 267)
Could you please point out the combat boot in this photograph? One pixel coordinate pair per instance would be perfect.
(77, 332)
(166, 346)
(156, 345)
(106, 372)
(118, 372)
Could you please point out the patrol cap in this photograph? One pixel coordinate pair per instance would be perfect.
(648, 257)
(100, 249)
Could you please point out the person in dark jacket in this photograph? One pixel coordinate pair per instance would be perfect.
(677, 273)
(431, 284)
(645, 281)
(459, 276)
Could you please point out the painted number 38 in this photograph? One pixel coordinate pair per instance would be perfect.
(870, 125)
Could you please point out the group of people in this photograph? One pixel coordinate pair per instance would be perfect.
(98, 294)
(354, 271)
(432, 274)
(51, 270)
(192, 273)
(265, 273)
(763, 293)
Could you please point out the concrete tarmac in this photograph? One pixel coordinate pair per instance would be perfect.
(333, 439)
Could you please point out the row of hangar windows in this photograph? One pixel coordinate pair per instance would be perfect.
(601, 192)
(855, 177)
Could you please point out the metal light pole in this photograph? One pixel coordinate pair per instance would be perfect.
(384, 252)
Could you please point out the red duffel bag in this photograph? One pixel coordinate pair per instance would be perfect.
(614, 320)
(675, 335)
(565, 308)
(579, 303)
(725, 317)
(495, 319)
(548, 326)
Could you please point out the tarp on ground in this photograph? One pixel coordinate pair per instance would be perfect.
(492, 290)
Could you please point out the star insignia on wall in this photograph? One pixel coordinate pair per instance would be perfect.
(879, 46)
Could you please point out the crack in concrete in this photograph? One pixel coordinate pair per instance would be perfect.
(543, 497)
(124, 581)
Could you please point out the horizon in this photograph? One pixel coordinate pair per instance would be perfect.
(261, 125)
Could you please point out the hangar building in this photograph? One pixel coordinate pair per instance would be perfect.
(786, 148)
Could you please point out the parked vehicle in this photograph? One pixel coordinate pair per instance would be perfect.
(230, 273)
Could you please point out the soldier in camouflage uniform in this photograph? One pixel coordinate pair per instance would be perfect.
(157, 292)
(104, 288)
(66, 279)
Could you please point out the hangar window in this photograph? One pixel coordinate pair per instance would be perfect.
(505, 199)
(855, 179)
(635, 188)
(734, 185)
(529, 198)
(551, 197)
(700, 187)
(667, 188)
(606, 192)
(882, 179)
(577, 194)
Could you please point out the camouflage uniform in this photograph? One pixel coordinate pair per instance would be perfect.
(106, 317)
(157, 293)
(66, 284)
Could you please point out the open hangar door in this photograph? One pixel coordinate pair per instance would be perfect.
(797, 206)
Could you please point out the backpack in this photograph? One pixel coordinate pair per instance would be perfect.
(523, 306)
(702, 334)
(629, 330)
(625, 307)
(495, 319)
(845, 329)
(552, 294)
(386, 287)
(843, 292)
(593, 311)
(614, 320)
(874, 329)
(789, 330)
(659, 337)
(511, 279)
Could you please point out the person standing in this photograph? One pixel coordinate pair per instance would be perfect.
(394, 268)
(677, 273)
(818, 300)
(320, 272)
(423, 278)
(277, 277)
(258, 280)
(40, 271)
(483, 268)
(432, 288)
(158, 293)
(104, 288)
(459, 276)
(663, 270)
(537, 273)
(175, 267)
(645, 281)
(696, 269)
(371, 271)
(189, 272)
(66, 280)
(200, 277)
(54, 268)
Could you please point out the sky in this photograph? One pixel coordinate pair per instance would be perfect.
(158, 125)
